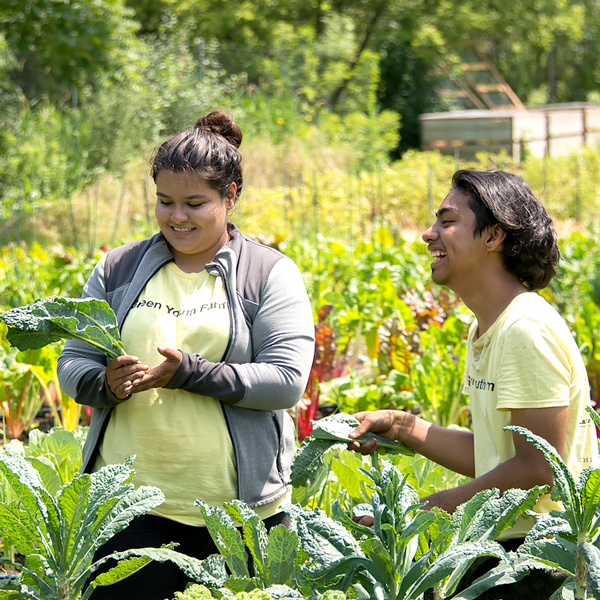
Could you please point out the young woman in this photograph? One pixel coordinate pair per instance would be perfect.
(221, 336)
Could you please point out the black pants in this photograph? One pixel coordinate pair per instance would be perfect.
(536, 585)
(158, 581)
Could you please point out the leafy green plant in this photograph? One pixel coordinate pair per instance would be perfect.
(55, 318)
(568, 540)
(197, 591)
(273, 553)
(58, 536)
(436, 374)
(333, 431)
(21, 385)
(408, 550)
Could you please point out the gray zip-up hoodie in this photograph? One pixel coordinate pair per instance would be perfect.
(263, 372)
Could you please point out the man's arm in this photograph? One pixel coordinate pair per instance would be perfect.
(451, 448)
(526, 469)
(454, 449)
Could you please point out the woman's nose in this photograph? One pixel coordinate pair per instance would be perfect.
(179, 213)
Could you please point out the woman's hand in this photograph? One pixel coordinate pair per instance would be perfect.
(162, 373)
(122, 372)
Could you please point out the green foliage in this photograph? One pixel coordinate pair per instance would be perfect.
(407, 550)
(195, 591)
(569, 540)
(59, 534)
(55, 318)
(56, 455)
(23, 376)
(65, 45)
(33, 272)
(333, 432)
(273, 553)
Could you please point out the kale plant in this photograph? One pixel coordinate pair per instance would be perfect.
(54, 318)
(59, 534)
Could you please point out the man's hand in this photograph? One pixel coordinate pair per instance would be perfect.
(387, 423)
(162, 373)
(122, 372)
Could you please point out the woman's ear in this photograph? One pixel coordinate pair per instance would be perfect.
(494, 236)
(231, 195)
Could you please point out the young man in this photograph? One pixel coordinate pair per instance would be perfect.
(494, 244)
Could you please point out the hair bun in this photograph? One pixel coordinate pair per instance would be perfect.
(221, 123)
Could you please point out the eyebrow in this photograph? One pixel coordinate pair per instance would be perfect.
(443, 211)
(192, 197)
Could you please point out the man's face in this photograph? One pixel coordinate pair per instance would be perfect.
(457, 255)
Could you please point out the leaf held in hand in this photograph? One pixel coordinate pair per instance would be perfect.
(54, 318)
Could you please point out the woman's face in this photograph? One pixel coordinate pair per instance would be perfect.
(192, 216)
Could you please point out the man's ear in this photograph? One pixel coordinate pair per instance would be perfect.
(494, 236)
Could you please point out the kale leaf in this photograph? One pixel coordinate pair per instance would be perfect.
(54, 318)
(332, 432)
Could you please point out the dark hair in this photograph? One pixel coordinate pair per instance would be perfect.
(209, 149)
(530, 248)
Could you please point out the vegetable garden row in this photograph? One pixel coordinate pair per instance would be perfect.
(385, 338)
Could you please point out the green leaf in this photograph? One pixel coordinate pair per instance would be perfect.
(589, 482)
(309, 459)
(563, 480)
(505, 573)
(454, 560)
(321, 537)
(226, 537)
(55, 318)
(332, 432)
(281, 550)
(254, 533)
(555, 553)
(16, 526)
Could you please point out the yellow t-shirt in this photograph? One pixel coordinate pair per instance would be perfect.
(181, 441)
(527, 359)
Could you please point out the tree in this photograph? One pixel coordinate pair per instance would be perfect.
(62, 47)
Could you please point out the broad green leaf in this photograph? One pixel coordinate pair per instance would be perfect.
(309, 459)
(453, 560)
(16, 526)
(134, 504)
(137, 558)
(336, 428)
(590, 499)
(280, 553)
(321, 537)
(240, 584)
(556, 553)
(330, 432)
(226, 537)
(547, 526)
(55, 318)
(498, 513)
(563, 480)
(381, 565)
(507, 572)
(466, 512)
(254, 533)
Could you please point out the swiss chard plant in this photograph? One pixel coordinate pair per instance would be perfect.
(59, 534)
(56, 318)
